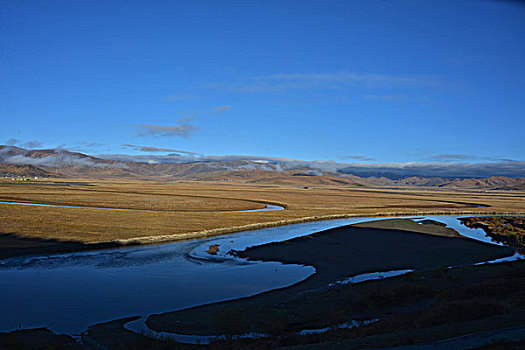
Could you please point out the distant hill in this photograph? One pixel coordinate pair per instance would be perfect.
(15, 161)
(493, 182)
(27, 171)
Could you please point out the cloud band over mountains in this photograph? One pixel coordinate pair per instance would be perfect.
(392, 170)
(463, 169)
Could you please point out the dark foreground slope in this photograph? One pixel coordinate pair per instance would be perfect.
(38, 338)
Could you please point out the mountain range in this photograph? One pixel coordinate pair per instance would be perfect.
(20, 162)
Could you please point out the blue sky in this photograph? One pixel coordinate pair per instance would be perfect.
(350, 81)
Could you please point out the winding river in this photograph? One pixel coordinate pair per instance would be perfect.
(267, 207)
(69, 292)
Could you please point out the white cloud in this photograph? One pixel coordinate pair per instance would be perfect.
(221, 109)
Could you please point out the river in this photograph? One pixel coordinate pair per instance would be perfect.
(69, 292)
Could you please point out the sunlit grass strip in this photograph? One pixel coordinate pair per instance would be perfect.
(257, 226)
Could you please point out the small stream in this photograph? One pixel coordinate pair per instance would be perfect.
(268, 207)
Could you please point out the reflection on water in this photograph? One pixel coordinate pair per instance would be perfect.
(68, 292)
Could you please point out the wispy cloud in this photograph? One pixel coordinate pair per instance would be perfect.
(301, 81)
(450, 157)
(91, 144)
(456, 157)
(184, 157)
(156, 149)
(385, 97)
(27, 144)
(82, 146)
(183, 128)
(221, 109)
(182, 97)
(360, 158)
(399, 98)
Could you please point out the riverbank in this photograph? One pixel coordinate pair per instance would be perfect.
(509, 230)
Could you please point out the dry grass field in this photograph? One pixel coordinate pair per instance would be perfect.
(184, 210)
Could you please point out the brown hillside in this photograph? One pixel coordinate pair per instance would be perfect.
(14, 170)
(20, 161)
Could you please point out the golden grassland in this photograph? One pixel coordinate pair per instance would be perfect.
(185, 210)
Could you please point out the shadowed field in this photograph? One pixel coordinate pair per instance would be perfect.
(12, 245)
(38, 338)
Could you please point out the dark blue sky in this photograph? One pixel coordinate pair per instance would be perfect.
(380, 81)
